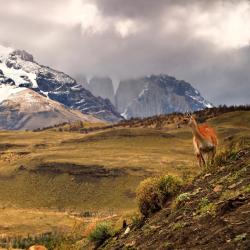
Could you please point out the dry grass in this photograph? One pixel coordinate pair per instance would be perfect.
(137, 152)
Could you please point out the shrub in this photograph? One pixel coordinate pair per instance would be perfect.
(100, 233)
(230, 153)
(178, 225)
(153, 192)
(181, 199)
(206, 207)
(51, 240)
(137, 221)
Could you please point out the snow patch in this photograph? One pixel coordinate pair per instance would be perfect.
(7, 90)
(17, 75)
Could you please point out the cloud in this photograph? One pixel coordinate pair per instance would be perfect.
(204, 42)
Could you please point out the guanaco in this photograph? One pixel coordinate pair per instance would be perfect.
(204, 140)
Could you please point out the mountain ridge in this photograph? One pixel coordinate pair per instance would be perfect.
(19, 68)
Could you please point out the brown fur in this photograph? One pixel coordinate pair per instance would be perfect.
(205, 142)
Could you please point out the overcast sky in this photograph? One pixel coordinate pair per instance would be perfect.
(205, 42)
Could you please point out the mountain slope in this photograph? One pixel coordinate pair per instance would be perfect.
(210, 213)
(23, 108)
(18, 67)
(159, 94)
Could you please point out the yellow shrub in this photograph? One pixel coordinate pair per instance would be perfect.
(153, 192)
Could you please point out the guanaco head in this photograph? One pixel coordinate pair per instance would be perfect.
(190, 120)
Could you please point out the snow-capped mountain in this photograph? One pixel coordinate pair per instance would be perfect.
(23, 108)
(163, 94)
(17, 67)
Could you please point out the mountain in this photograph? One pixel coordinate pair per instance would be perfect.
(22, 108)
(127, 91)
(101, 86)
(158, 94)
(19, 68)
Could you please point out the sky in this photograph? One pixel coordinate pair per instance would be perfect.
(204, 42)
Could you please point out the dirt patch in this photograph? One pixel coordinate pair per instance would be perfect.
(82, 172)
(6, 146)
(120, 133)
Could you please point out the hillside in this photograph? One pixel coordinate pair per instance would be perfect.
(210, 213)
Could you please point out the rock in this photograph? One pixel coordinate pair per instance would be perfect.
(218, 188)
(240, 237)
(127, 230)
(207, 175)
(103, 87)
(130, 244)
(234, 185)
(23, 55)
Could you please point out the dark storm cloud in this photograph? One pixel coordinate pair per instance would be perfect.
(57, 36)
(149, 8)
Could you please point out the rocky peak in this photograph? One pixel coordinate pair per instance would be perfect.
(25, 56)
(101, 86)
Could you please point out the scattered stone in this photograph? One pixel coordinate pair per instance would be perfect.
(234, 185)
(206, 175)
(218, 188)
(130, 244)
(127, 230)
(240, 237)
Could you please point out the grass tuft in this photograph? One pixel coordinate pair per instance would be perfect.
(205, 207)
(100, 233)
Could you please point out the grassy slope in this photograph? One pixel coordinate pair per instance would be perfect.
(122, 157)
(213, 215)
(139, 152)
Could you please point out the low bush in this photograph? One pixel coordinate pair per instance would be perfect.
(153, 192)
(229, 153)
(205, 207)
(100, 233)
(51, 241)
(137, 221)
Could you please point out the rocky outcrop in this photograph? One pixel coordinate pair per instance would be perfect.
(127, 91)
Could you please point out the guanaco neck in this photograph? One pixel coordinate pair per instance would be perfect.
(196, 132)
